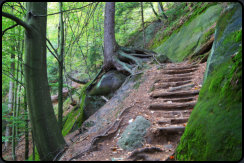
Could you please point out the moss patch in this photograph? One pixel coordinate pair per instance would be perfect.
(190, 36)
(214, 130)
(75, 118)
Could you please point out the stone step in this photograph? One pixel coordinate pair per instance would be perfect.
(182, 87)
(180, 71)
(173, 121)
(171, 84)
(181, 106)
(175, 79)
(171, 129)
(181, 67)
(187, 99)
(173, 114)
(178, 75)
(179, 94)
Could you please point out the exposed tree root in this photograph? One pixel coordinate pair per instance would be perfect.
(124, 60)
(76, 80)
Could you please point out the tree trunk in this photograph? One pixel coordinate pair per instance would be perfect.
(47, 134)
(33, 146)
(155, 13)
(161, 9)
(14, 129)
(142, 20)
(26, 127)
(10, 101)
(109, 35)
(60, 83)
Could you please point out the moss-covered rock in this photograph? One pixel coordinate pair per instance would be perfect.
(109, 83)
(92, 104)
(190, 36)
(75, 117)
(134, 133)
(214, 130)
(228, 37)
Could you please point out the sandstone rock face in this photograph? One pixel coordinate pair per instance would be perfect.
(214, 130)
(190, 37)
(228, 29)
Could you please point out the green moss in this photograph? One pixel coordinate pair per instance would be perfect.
(214, 130)
(175, 26)
(75, 118)
(37, 158)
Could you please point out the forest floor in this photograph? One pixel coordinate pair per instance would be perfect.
(166, 97)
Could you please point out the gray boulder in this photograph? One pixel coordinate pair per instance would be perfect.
(133, 136)
(109, 83)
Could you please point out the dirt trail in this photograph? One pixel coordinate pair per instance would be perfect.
(166, 97)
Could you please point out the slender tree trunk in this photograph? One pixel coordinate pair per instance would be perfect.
(10, 101)
(155, 13)
(16, 105)
(110, 46)
(47, 134)
(61, 53)
(161, 9)
(33, 146)
(26, 127)
(142, 20)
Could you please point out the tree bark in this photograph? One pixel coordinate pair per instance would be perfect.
(109, 35)
(10, 101)
(14, 129)
(155, 13)
(60, 83)
(47, 134)
(161, 9)
(142, 20)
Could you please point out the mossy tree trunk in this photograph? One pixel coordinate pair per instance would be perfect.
(47, 134)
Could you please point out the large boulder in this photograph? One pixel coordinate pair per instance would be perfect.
(227, 38)
(191, 35)
(109, 83)
(133, 136)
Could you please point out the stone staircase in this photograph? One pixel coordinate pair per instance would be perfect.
(174, 98)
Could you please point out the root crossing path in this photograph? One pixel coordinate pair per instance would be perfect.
(166, 97)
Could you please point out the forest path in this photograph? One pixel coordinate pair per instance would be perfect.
(166, 97)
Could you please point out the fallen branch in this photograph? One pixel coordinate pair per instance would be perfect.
(76, 80)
